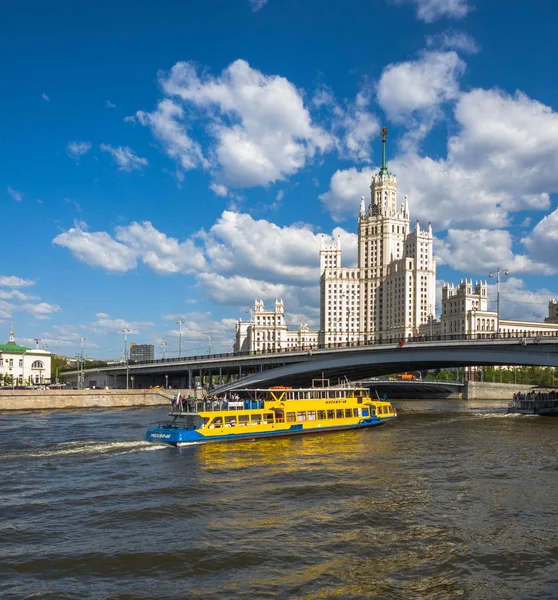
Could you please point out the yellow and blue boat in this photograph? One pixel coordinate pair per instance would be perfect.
(254, 414)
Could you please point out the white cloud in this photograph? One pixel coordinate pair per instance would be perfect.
(41, 310)
(259, 128)
(433, 10)
(162, 254)
(345, 189)
(98, 250)
(453, 40)
(124, 157)
(17, 196)
(167, 125)
(483, 250)
(104, 324)
(257, 4)
(76, 150)
(129, 119)
(13, 281)
(502, 158)
(219, 190)
(542, 242)
(109, 104)
(420, 85)
(45, 97)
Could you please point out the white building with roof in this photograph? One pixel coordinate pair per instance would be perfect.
(20, 365)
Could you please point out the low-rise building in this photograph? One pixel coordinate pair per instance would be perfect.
(20, 365)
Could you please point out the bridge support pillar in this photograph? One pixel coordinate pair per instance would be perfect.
(190, 386)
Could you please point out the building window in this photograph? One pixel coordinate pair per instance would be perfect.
(37, 365)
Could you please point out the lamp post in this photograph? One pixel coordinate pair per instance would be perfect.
(126, 331)
(506, 273)
(208, 345)
(164, 344)
(180, 322)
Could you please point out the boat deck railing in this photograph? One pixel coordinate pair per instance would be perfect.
(197, 406)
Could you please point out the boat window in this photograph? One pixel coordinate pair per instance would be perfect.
(216, 423)
(230, 421)
(321, 415)
(279, 416)
(359, 400)
(301, 415)
(268, 418)
(331, 414)
(291, 417)
(348, 412)
(205, 422)
(355, 412)
(311, 415)
(339, 413)
(256, 419)
(244, 420)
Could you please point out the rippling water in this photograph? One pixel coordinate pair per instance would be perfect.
(455, 500)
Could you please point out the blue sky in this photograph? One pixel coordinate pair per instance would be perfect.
(177, 160)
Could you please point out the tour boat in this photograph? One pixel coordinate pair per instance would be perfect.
(535, 403)
(269, 413)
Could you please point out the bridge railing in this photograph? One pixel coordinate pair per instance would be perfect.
(522, 336)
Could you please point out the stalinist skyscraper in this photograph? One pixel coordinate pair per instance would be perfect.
(392, 290)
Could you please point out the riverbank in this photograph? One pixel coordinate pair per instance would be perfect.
(61, 399)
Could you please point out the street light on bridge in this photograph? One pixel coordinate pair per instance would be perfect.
(506, 273)
(180, 322)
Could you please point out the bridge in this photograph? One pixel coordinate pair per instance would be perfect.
(299, 367)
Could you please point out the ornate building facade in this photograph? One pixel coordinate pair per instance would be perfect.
(391, 292)
(267, 331)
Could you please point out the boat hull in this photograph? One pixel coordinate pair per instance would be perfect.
(175, 436)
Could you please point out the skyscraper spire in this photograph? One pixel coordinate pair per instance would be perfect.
(384, 170)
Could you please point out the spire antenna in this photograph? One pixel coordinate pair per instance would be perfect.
(383, 133)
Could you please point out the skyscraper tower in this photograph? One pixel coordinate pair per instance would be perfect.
(392, 290)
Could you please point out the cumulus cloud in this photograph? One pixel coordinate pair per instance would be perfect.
(76, 150)
(124, 157)
(502, 158)
(167, 125)
(237, 253)
(15, 282)
(98, 249)
(433, 10)
(420, 85)
(542, 242)
(219, 190)
(483, 250)
(259, 128)
(17, 196)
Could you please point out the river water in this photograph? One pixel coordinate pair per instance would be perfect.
(454, 500)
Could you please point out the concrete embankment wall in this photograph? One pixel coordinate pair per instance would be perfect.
(57, 399)
(481, 390)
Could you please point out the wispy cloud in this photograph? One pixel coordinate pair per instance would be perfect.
(45, 97)
(76, 150)
(124, 157)
(257, 4)
(17, 196)
(109, 104)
